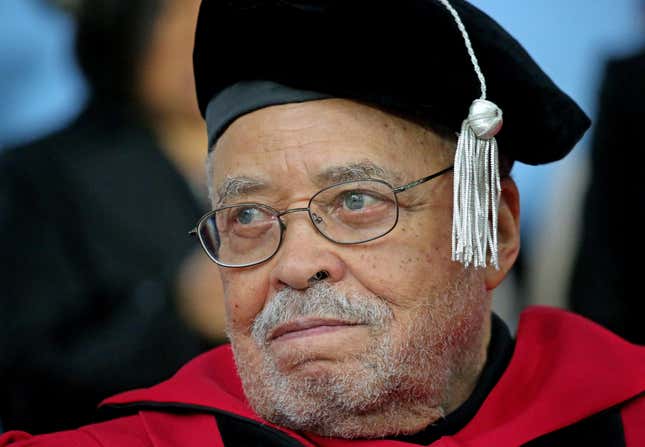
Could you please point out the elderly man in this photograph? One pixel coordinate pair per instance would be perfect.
(361, 226)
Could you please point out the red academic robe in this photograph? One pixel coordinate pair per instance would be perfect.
(564, 370)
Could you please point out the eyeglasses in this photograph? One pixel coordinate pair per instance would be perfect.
(347, 213)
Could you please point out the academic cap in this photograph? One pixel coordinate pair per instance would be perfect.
(408, 56)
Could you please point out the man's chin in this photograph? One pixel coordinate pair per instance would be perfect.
(354, 392)
(388, 419)
(317, 366)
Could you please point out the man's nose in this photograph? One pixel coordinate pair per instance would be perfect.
(305, 257)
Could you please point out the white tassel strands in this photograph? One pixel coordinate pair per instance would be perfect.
(477, 187)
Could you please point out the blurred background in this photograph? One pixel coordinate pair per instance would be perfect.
(101, 178)
(573, 41)
(95, 101)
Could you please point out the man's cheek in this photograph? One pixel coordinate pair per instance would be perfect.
(404, 258)
(246, 282)
(403, 279)
(242, 306)
(232, 314)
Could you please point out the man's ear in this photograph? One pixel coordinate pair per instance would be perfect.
(508, 229)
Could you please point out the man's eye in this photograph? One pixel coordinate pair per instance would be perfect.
(246, 216)
(356, 201)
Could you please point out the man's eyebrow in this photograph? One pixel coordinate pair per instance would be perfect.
(234, 187)
(357, 171)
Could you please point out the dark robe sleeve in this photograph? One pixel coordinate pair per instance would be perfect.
(73, 333)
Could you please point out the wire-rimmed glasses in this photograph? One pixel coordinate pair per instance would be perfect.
(347, 213)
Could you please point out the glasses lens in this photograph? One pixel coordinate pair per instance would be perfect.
(240, 235)
(355, 211)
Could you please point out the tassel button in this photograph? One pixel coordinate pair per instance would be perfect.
(485, 119)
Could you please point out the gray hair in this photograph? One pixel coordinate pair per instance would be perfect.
(209, 176)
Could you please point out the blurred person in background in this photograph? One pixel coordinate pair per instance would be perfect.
(606, 282)
(101, 287)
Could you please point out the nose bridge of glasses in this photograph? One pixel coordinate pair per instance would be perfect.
(292, 210)
(312, 215)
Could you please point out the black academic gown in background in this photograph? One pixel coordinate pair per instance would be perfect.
(93, 228)
(607, 282)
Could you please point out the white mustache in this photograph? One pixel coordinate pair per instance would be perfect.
(318, 301)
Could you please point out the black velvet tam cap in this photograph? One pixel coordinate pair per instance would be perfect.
(407, 56)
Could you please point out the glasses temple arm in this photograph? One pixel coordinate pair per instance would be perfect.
(421, 180)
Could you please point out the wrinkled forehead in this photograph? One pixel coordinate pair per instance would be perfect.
(325, 141)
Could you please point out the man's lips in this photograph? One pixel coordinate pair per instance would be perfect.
(309, 326)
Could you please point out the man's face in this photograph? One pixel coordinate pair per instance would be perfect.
(396, 335)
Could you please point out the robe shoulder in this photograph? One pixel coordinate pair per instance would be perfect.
(127, 431)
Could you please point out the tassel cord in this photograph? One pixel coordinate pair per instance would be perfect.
(469, 46)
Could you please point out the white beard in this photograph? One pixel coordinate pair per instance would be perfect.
(394, 385)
